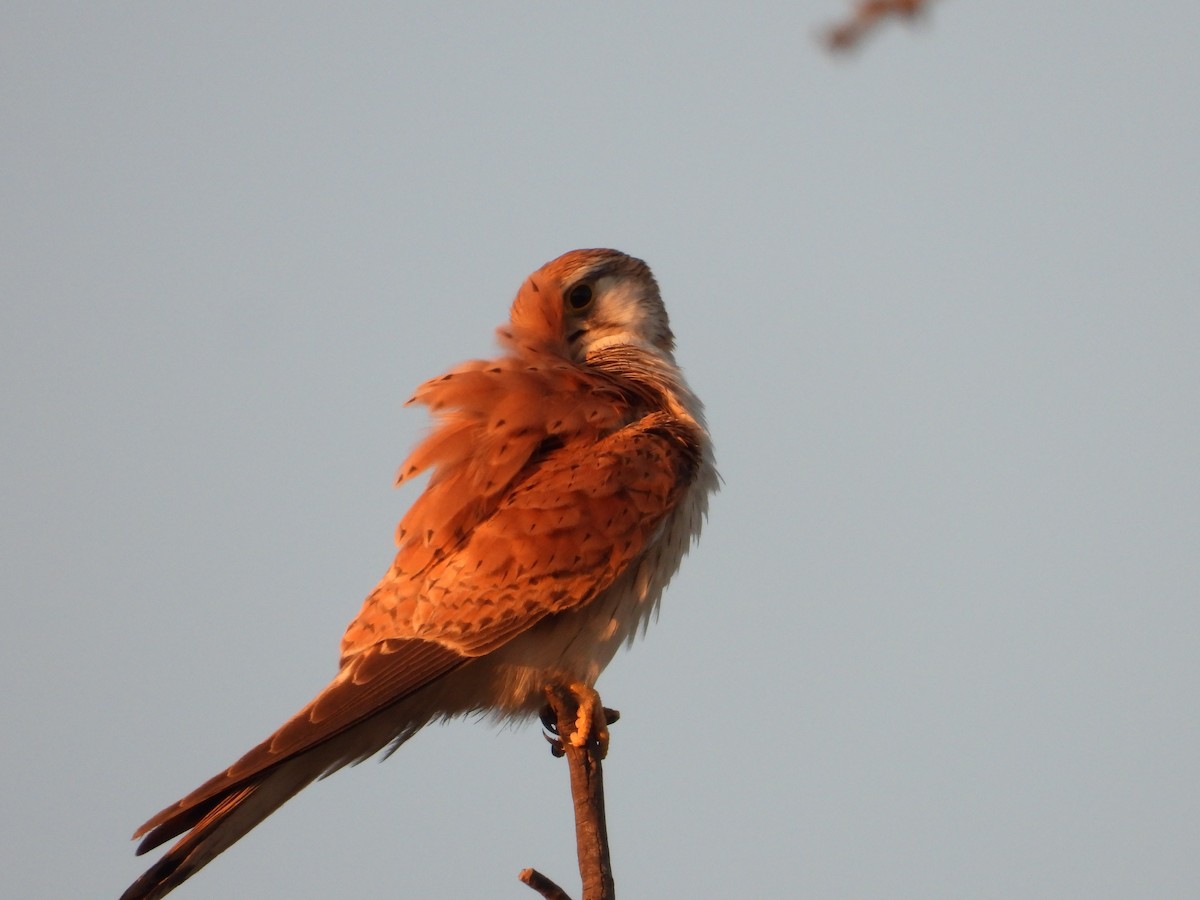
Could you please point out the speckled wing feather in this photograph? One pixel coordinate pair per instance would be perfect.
(557, 539)
(499, 421)
(564, 491)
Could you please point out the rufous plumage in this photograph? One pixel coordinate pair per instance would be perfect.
(568, 478)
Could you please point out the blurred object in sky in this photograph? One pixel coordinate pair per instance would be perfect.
(866, 17)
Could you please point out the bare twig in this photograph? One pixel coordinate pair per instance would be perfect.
(587, 793)
(867, 15)
(543, 885)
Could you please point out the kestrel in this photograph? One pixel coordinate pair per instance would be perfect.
(568, 479)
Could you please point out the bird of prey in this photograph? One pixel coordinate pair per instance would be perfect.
(569, 477)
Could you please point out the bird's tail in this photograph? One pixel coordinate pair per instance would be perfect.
(219, 824)
(223, 810)
(376, 700)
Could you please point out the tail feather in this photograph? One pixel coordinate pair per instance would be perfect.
(214, 824)
(229, 818)
(376, 699)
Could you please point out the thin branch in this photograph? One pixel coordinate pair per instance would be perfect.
(543, 885)
(587, 790)
(587, 794)
(866, 17)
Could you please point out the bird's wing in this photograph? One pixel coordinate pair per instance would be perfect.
(561, 535)
(502, 425)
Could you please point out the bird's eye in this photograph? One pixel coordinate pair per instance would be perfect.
(579, 297)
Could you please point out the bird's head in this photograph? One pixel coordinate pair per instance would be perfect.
(588, 300)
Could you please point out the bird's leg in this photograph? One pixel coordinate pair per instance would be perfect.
(591, 717)
(549, 718)
(590, 721)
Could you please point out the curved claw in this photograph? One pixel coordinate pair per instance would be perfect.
(556, 747)
(549, 718)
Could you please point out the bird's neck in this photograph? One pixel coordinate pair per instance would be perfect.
(654, 376)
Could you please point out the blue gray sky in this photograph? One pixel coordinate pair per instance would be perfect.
(940, 296)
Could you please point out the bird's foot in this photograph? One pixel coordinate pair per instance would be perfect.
(590, 721)
(592, 718)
